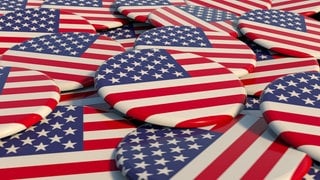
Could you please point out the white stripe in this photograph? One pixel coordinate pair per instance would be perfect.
(284, 167)
(126, 105)
(98, 117)
(70, 16)
(173, 118)
(216, 149)
(66, 85)
(55, 158)
(9, 129)
(106, 134)
(252, 89)
(108, 42)
(7, 45)
(288, 108)
(124, 8)
(8, 34)
(74, 8)
(106, 90)
(234, 60)
(39, 110)
(29, 96)
(25, 73)
(311, 150)
(76, 26)
(280, 126)
(202, 66)
(291, 4)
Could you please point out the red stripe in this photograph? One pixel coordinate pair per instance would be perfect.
(74, 95)
(303, 168)
(293, 5)
(110, 143)
(286, 65)
(291, 117)
(219, 165)
(17, 103)
(189, 61)
(204, 121)
(223, 128)
(13, 39)
(235, 55)
(34, 89)
(64, 30)
(27, 78)
(58, 169)
(264, 79)
(146, 111)
(207, 72)
(297, 139)
(225, 27)
(117, 97)
(26, 119)
(107, 125)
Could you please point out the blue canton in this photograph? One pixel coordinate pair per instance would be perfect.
(277, 18)
(208, 14)
(31, 20)
(139, 66)
(261, 52)
(180, 36)
(12, 5)
(153, 152)
(299, 89)
(82, 3)
(252, 103)
(66, 44)
(118, 3)
(61, 131)
(4, 72)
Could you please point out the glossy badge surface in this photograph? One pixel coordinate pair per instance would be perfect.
(281, 31)
(291, 106)
(26, 96)
(219, 47)
(304, 7)
(22, 25)
(243, 149)
(73, 142)
(196, 16)
(168, 88)
(14, 5)
(71, 59)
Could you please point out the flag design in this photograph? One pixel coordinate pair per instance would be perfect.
(291, 105)
(72, 142)
(71, 59)
(195, 16)
(26, 97)
(139, 10)
(14, 5)
(267, 71)
(314, 172)
(237, 7)
(243, 149)
(304, 7)
(284, 32)
(219, 47)
(100, 13)
(22, 25)
(170, 88)
(127, 34)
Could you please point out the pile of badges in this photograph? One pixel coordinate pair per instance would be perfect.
(164, 89)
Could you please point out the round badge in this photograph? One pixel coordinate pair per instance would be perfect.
(139, 10)
(267, 71)
(243, 149)
(22, 25)
(236, 7)
(281, 31)
(13, 5)
(196, 16)
(71, 142)
(291, 106)
(170, 88)
(304, 7)
(26, 96)
(99, 13)
(219, 47)
(71, 59)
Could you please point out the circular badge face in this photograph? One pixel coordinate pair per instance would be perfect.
(14, 5)
(284, 32)
(219, 47)
(243, 149)
(291, 106)
(72, 141)
(22, 25)
(26, 96)
(170, 88)
(237, 7)
(139, 10)
(267, 71)
(196, 16)
(71, 59)
(304, 7)
(100, 13)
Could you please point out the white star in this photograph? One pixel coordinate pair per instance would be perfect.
(71, 108)
(155, 144)
(292, 83)
(12, 149)
(178, 74)
(302, 79)
(70, 118)
(58, 114)
(308, 101)
(190, 138)
(142, 165)
(153, 137)
(135, 140)
(207, 136)
(2, 143)
(137, 148)
(179, 158)
(282, 97)
(161, 161)
(136, 78)
(69, 144)
(314, 77)
(41, 146)
(157, 153)
(142, 72)
(316, 86)
(305, 90)
(194, 146)
(280, 86)
(177, 149)
(318, 97)
(121, 160)
(129, 69)
(122, 74)
(42, 133)
(139, 156)
(57, 125)
(173, 141)
(114, 80)
(107, 71)
(28, 140)
(294, 94)
(99, 77)
(55, 138)
(165, 171)
(268, 90)
(144, 175)
(187, 131)
(170, 134)
(69, 131)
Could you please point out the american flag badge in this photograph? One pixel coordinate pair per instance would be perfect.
(22, 25)
(243, 149)
(314, 172)
(291, 106)
(100, 13)
(26, 96)
(139, 10)
(304, 7)
(205, 18)
(73, 142)
(14, 5)
(267, 71)
(281, 31)
(71, 59)
(127, 34)
(237, 7)
(170, 88)
(217, 46)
